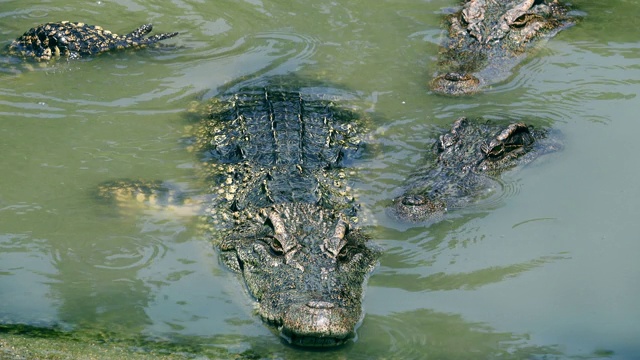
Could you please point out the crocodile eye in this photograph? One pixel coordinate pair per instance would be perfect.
(274, 245)
(494, 151)
(344, 253)
(523, 20)
(520, 21)
(462, 19)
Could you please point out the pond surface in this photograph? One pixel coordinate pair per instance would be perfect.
(548, 270)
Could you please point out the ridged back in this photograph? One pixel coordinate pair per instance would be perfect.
(282, 129)
(279, 146)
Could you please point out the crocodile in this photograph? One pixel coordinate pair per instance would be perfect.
(465, 163)
(486, 39)
(274, 159)
(76, 39)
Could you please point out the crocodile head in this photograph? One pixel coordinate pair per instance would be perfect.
(466, 162)
(488, 38)
(306, 267)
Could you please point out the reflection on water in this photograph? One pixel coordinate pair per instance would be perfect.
(426, 334)
(546, 269)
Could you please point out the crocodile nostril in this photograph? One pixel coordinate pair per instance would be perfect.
(453, 76)
(414, 200)
(316, 304)
(454, 83)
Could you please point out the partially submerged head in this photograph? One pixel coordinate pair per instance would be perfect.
(306, 267)
(467, 159)
(486, 39)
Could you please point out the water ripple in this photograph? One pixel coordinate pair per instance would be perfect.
(494, 196)
(136, 256)
(427, 334)
(553, 79)
(122, 253)
(265, 53)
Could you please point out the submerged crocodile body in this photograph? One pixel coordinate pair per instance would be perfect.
(286, 213)
(76, 39)
(464, 165)
(282, 213)
(488, 38)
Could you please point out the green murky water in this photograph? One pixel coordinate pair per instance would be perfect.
(549, 270)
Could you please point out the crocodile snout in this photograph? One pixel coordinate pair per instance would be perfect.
(454, 83)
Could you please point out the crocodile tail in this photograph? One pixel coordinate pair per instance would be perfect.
(140, 32)
(155, 38)
(130, 196)
(136, 37)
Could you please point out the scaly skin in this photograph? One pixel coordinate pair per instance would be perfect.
(488, 38)
(281, 213)
(75, 39)
(306, 267)
(287, 214)
(464, 164)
